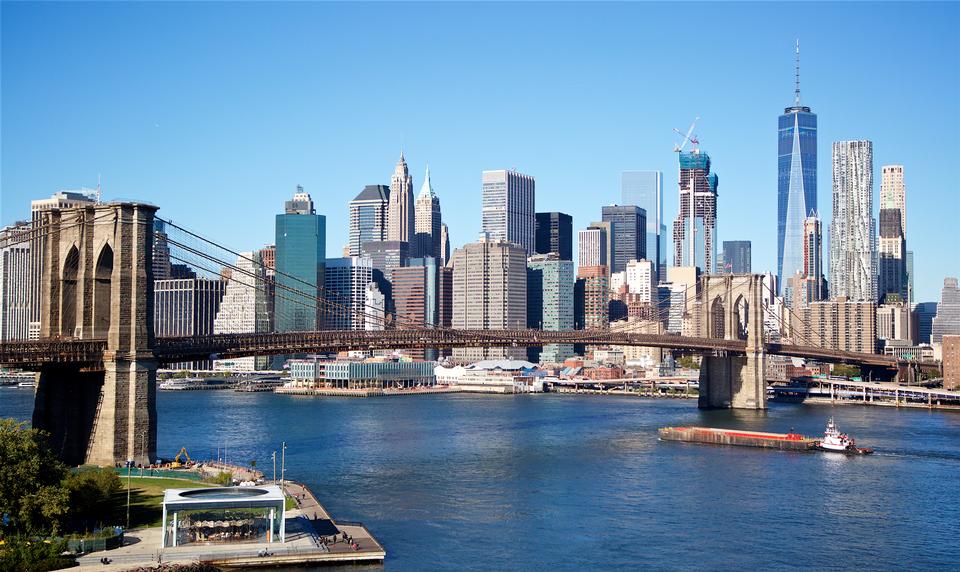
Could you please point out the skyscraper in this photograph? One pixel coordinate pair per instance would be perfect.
(490, 292)
(550, 286)
(15, 282)
(187, 307)
(593, 247)
(592, 298)
(645, 190)
(243, 308)
(444, 244)
(892, 251)
(368, 217)
(508, 208)
(554, 233)
(428, 222)
(301, 237)
(629, 234)
(736, 257)
(807, 285)
(401, 215)
(345, 281)
(694, 230)
(796, 181)
(853, 230)
(947, 320)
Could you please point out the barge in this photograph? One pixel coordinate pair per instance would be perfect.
(713, 436)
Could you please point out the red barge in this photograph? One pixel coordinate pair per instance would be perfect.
(714, 436)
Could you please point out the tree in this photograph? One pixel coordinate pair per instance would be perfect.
(20, 554)
(31, 494)
(91, 492)
(845, 370)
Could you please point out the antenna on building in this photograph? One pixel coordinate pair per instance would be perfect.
(796, 91)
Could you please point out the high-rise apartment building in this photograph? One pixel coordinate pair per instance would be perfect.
(554, 233)
(892, 248)
(736, 257)
(508, 208)
(345, 283)
(838, 324)
(796, 181)
(645, 190)
(951, 362)
(807, 285)
(15, 282)
(592, 298)
(550, 285)
(490, 292)
(59, 200)
(429, 226)
(947, 321)
(629, 224)
(695, 228)
(368, 217)
(853, 230)
(243, 309)
(401, 220)
(187, 307)
(895, 322)
(641, 280)
(301, 250)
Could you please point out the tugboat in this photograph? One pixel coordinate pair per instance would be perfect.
(837, 442)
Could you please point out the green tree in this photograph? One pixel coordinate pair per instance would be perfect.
(31, 494)
(20, 554)
(845, 370)
(91, 492)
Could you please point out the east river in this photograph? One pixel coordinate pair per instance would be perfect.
(556, 482)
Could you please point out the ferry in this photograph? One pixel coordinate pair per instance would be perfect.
(836, 442)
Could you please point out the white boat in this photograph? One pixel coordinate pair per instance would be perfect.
(834, 440)
(27, 384)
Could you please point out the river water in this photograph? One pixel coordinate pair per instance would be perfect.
(564, 482)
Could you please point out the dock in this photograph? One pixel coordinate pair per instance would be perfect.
(366, 392)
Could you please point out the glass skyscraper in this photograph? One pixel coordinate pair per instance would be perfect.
(796, 182)
(301, 239)
(645, 190)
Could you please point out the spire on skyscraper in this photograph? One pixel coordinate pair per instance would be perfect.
(426, 189)
(796, 91)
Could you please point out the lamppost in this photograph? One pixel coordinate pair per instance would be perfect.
(283, 463)
(274, 455)
(129, 464)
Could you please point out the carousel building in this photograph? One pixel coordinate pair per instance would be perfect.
(223, 515)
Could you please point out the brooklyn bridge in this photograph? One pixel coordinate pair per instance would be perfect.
(97, 355)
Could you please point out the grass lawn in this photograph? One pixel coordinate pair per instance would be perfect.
(146, 498)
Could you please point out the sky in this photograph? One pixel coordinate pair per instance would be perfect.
(216, 111)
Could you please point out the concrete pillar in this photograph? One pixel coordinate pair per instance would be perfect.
(270, 531)
(163, 537)
(174, 541)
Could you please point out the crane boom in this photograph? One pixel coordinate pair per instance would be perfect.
(688, 137)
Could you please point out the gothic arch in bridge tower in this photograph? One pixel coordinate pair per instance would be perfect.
(68, 293)
(718, 315)
(102, 290)
(741, 315)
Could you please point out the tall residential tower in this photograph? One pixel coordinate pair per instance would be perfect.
(853, 243)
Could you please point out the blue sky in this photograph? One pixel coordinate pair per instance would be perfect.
(215, 111)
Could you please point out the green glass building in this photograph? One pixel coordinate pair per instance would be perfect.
(301, 239)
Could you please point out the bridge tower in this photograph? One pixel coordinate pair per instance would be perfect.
(731, 308)
(97, 283)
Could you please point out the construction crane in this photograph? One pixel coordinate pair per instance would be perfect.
(176, 464)
(690, 136)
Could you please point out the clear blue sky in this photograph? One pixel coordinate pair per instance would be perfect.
(216, 111)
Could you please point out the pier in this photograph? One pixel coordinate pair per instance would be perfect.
(842, 391)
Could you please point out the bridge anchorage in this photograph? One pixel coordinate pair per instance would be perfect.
(98, 356)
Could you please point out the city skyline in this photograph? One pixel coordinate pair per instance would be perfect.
(189, 176)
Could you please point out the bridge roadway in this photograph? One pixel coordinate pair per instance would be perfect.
(89, 353)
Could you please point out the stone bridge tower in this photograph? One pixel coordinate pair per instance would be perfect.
(731, 308)
(97, 283)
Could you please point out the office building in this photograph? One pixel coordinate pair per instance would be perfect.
(629, 225)
(736, 257)
(592, 298)
(243, 309)
(387, 255)
(400, 217)
(641, 280)
(853, 230)
(909, 264)
(413, 299)
(301, 247)
(593, 247)
(368, 217)
(15, 282)
(554, 233)
(374, 307)
(345, 282)
(187, 307)
(895, 323)
(947, 320)
(428, 223)
(490, 292)
(550, 285)
(161, 251)
(924, 313)
(59, 200)
(508, 208)
(444, 244)
(796, 181)
(645, 190)
(837, 324)
(695, 228)
(894, 276)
